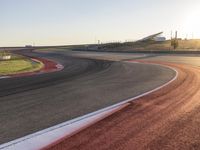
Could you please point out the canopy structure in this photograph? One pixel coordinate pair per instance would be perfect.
(154, 37)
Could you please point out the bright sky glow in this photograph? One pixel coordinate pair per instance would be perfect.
(57, 22)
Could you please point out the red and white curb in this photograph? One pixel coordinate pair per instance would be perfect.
(57, 67)
(52, 135)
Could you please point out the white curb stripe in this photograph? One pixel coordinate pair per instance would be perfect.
(4, 77)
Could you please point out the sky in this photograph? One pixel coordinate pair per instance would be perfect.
(63, 22)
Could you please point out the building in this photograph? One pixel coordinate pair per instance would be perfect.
(160, 39)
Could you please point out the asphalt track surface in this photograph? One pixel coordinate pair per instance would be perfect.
(30, 104)
(166, 119)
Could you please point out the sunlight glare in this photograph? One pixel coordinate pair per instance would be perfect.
(192, 23)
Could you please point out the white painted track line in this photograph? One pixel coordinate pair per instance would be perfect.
(4, 77)
(48, 136)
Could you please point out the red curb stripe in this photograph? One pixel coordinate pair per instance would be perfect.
(49, 66)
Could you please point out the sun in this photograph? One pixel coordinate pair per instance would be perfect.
(191, 23)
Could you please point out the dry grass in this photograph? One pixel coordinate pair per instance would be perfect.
(152, 45)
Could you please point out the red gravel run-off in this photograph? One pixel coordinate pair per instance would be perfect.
(166, 119)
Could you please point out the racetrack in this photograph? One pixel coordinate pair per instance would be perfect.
(30, 104)
(165, 119)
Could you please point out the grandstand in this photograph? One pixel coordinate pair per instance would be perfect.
(155, 37)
